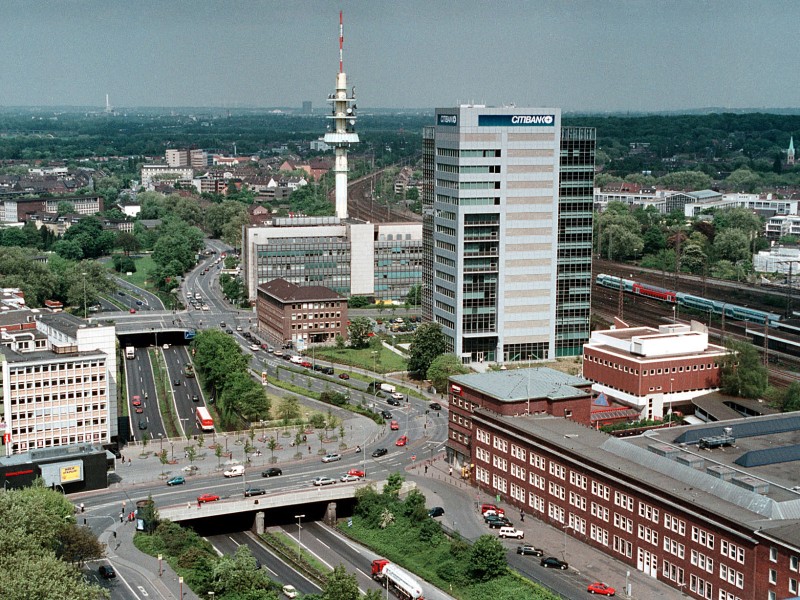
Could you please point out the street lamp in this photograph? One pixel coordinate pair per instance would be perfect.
(299, 544)
(160, 442)
(84, 295)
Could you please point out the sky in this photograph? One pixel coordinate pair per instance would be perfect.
(579, 55)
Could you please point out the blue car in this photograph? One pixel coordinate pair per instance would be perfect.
(176, 481)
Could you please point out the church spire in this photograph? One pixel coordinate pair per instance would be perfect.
(790, 152)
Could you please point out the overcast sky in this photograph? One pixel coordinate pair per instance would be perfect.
(580, 55)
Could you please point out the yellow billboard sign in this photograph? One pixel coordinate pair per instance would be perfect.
(70, 473)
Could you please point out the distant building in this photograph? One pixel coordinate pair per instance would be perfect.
(153, 173)
(303, 315)
(18, 210)
(306, 109)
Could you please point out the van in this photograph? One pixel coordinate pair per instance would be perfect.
(385, 387)
(511, 532)
(296, 359)
(235, 471)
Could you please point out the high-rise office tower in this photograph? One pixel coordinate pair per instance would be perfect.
(507, 209)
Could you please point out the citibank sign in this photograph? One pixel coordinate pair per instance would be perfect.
(516, 120)
(448, 119)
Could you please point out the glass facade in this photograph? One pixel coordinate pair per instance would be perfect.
(306, 261)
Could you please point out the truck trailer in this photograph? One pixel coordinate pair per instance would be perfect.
(396, 579)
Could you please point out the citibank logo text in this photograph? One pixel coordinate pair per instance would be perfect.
(448, 119)
(516, 120)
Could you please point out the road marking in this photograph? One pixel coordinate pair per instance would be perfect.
(234, 541)
(144, 592)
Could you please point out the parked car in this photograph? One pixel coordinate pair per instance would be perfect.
(357, 473)
(229, 331)
(207, 498)
(327, 370)
(344, 376)
(271, 472)
(332, 457)
(132, 311)
(511, 532)
(139, 303)
(533, 551)
(347, 478)
(278, 353)
(436, 511)
(379, 452)
(238, 328)
(551, 562)
(601, 588)
(498, 522)
(394, 425)
(289, 591)
(435, 406)
(107, 572)
(254, 491)
(255, 347)
(306, 364)
(176, 481)
(222, 325)
(494, 512)
(401, 441)
(322, 480)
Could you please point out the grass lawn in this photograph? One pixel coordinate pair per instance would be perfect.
(144, 264)
(385, 361)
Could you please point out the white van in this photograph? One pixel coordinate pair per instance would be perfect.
(296, 359)
(387, 387)
(511, 532)
(235, 471)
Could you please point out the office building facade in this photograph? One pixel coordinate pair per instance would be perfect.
(507, 210)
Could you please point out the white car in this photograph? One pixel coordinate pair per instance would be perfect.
(322, 480)
(331, 457)
(235, 471)
(289, 591)
(511, 532)
(255, 347)
(205, 307)
(398, 396)
(346, 478)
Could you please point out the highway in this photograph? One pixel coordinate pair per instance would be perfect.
(140, 382)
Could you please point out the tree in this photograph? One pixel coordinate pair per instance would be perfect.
(741, 371)
(442, 367)
(127, 242)
(428, 343)
(272, 444)
(358, 332)
(487, 558)
(732, 245)
(64, 208)
(69, 249)
(414, 297)
(289, 409)
(341, 585)
(79, 544)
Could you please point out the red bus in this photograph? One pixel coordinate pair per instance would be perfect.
(204, 420)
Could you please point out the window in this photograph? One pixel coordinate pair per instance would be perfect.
(674, 547)
(648, 535)
(517, 452)
(674, 524)
(518, 472)
(577, 480)
(598, 534)
(622, 546)
(537, 461)
(702, 561)
(598, 489)
(673, 573)
(623, 523)
(500, 444)
(555, 512)
(577, 523)
(700, 587)
(536, 502)
(499, 483)
(482, 435)
(623, 500)
(792, 562)
(577, 501)
(648, 512)
(736, 552)
(537, 481)
(773, 554)
(556, 490)
(482, 454)
(601, 512)
(704, 538)
(500, 462)
(773, 576)
(557, 470)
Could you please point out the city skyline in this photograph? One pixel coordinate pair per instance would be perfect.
(582, 56)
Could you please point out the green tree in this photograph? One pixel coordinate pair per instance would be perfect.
(442, 367)
(789, 399)
(289, 409)
(732, 245)
(65, 208)
(685, 180)
(741, 371)
(428, 343)
(414, 297)
(358, 332)
(69, 249)
(487, 558)
(341, 585)
(127, 242)
(743, 180)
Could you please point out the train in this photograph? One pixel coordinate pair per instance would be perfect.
(731, 311)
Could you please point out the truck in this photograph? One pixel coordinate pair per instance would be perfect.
(204, 420)
(396, 579)
(188, 370)
(387, 387)
(130, 353)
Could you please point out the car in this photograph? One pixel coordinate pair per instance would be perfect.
(254, 491)
(525, 549)
(394, 425)
(493, 512)
(598, 587)
(107, 572)
(139, 303)
(393, 401)
(401, 441)
(139, 410)
(346, 478)
(229, 331)
(379, 452)
(286, 356)
(222, 325)
(190, 468)
(177, 382)
(142, 425)
(165, 346)
(327, 370)
(255, 347)
(332, 457)
(238, 328)
(137, 401)
(176, 481)
(344, 376)
(271, 472)
(205, 307)
(386, 414)
(498, 522)
(289, 591)
(276, 352)
(234, 471)
(317, 367)
(435, 406)
(202, 498)
(121, 293)
(322, 480)
(270, 349)
(508, 531)
(398, 396)
(436, 511)
(195, 398)
(551, 562)
(306, 364)
(132, 311)
(357, 473)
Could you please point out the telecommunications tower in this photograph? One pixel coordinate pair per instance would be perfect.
(342, 133)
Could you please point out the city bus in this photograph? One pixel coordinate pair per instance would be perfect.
(204, 420)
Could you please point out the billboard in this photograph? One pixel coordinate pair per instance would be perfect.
(516, 120)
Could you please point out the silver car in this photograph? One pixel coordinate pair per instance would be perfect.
(321, 480)
(332, 457)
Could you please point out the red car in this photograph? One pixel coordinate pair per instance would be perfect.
(133, 311)
(207, 498)
(601, 588)
(394, 426)
(139, 410)
(356, 472)
(306, 364)
(344, 376)
(401, 441)
(137, 401)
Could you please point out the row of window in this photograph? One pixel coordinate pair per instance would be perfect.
(309, 316)
(49, 368)
(304, 326)
(86, 393)
(645, 372)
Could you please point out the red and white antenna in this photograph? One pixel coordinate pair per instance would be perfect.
(341, 41)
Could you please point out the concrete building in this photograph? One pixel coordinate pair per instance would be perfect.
(17, 210)
(380, 260)
(177, 158)
(712, 511)
(303, 315)
(507, 208)
(58, 378)
(152, 174)
(653, 370)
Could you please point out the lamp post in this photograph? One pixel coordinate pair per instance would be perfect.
(299, 544)
(160, 442)
(172, 451)
(160, 571)
(84, 295)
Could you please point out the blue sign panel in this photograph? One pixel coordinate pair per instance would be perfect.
(516, 120)
(448, 119)
(189, 334)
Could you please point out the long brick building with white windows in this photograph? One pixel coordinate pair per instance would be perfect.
(713, 512)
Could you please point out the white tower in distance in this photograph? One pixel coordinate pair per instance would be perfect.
(108, 106)
(342, 134)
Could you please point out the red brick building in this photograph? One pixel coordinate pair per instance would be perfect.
(653, 370)
(302, 315)
(714, 514)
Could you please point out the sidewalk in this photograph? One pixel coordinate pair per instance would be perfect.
(589, 562)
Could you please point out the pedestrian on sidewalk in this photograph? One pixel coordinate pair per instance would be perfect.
(426, 469)
(122, 517)
(521, 516)
(450, 470)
